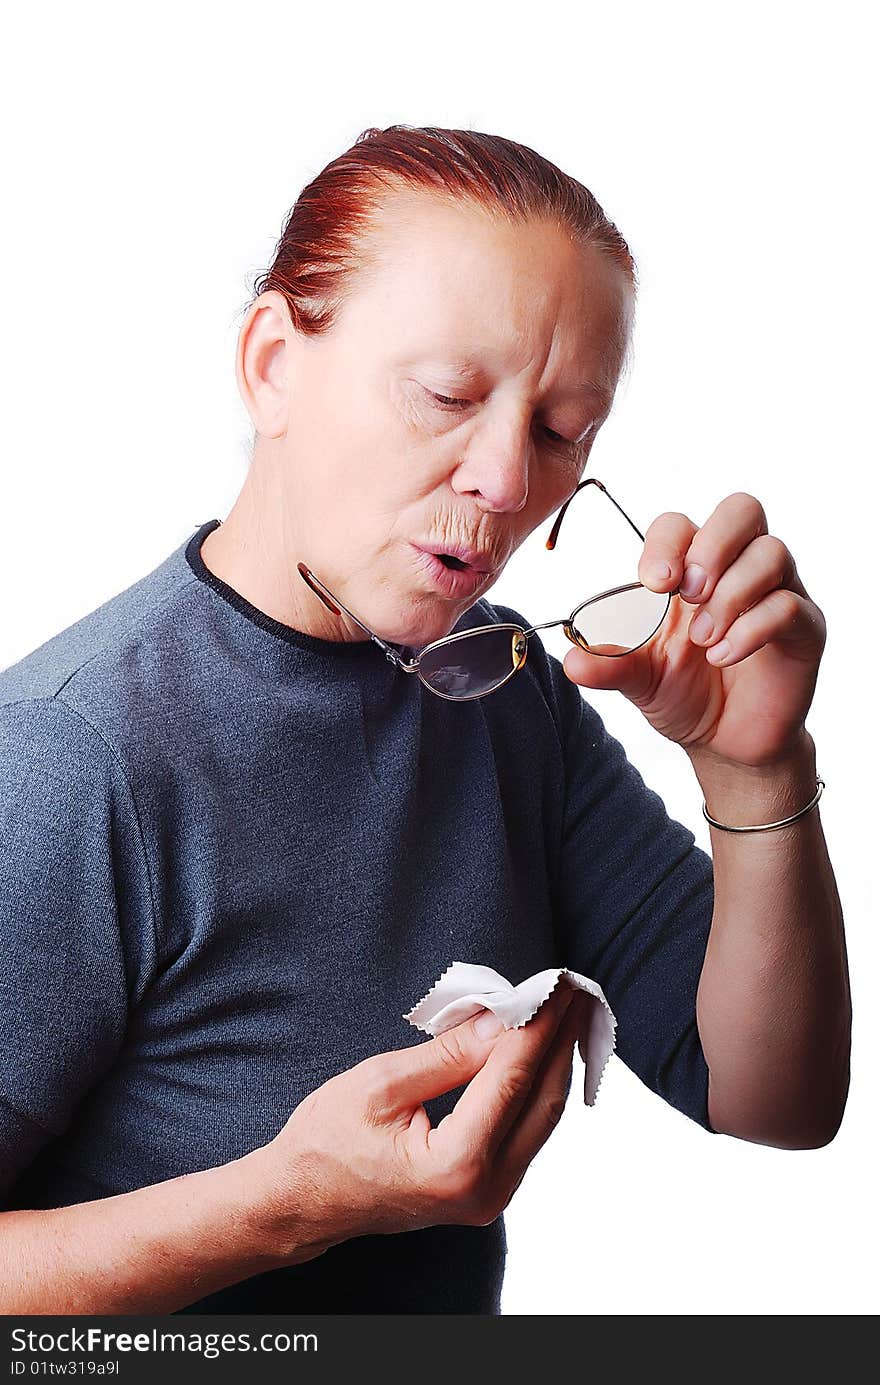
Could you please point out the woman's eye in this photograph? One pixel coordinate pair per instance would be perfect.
(446, 400)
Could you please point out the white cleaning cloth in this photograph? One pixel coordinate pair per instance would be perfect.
(465, 988)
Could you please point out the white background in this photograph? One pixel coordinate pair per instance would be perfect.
(151, 156)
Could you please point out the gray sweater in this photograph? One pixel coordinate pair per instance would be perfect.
(232, 855)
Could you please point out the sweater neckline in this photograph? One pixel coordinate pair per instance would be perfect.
(314, 644)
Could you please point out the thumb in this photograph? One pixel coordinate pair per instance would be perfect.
(622, 672)
(626, 673)
(445, 1062)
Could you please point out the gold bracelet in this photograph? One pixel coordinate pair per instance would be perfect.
(768, 826)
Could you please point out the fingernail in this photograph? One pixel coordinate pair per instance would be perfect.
(718, 651)
(657, 573)
(693, 582)
(702, 627)
(487, 1025)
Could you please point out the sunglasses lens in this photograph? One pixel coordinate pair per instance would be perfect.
(474, 664)
(622, 622)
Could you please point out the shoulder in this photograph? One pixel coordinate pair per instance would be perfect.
(100, 636)
(99, 678)
(74, 876)
(44, 744)
(64, 794)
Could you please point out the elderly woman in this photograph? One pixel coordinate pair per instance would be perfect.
(238, 843)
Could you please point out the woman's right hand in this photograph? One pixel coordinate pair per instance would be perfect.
(359, 1155)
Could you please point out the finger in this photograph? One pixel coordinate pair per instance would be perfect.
(666, 542)
(491, 1102)
(762, 567)
(405, 1077)
(545, 1104)
(734, 523)
(783, 617)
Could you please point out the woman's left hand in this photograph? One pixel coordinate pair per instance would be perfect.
(748, 705)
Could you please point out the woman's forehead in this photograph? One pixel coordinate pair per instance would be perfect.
(437, 240)
(454, 283)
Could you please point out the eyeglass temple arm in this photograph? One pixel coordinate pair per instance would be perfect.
(590, 481)
(335, 605)
(593, 481)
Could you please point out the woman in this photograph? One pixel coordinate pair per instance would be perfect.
(239, 844)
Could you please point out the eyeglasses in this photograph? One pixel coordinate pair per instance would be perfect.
(475, 662)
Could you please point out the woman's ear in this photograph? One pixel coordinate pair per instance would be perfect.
(262, 363)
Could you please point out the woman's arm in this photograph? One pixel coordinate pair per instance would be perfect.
(773, 1004)
(153, 1250)
(358, 1156)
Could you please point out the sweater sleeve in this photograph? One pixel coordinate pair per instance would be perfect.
(69, 842)
(635, 905)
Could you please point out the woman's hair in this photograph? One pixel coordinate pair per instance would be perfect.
(325, 241)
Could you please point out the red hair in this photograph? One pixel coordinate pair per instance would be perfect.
(324, 242)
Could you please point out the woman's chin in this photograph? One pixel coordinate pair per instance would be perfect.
(428, 625)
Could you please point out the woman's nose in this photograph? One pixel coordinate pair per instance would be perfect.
(497, 469)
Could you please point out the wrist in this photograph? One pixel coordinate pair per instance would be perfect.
(744, 795)
(247, 1223)
(277, 1226)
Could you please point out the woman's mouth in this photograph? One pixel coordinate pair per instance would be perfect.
(451, 575)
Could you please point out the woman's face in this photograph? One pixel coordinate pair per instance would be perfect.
(454, 402)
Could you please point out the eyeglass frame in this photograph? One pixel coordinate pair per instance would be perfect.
(334, 605)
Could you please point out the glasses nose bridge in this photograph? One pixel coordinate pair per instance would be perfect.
(547, 625)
